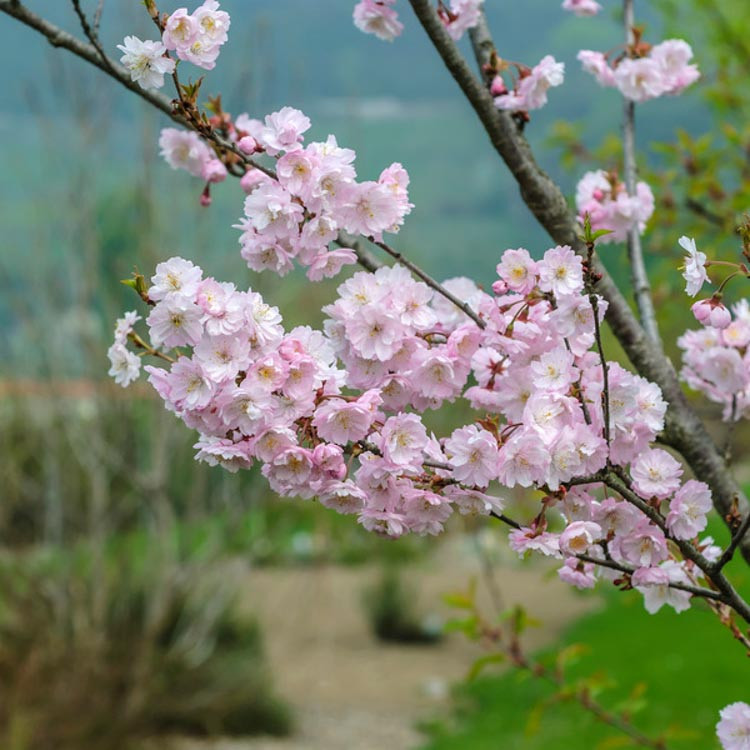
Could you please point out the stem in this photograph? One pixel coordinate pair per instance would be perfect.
(699, 591)
(639, 277)
(91, 34)
(737, 537)
(582, 695)
(148, 349)
(594, 302)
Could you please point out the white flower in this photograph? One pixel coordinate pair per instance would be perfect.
(734, 728)
(145, 61)
(695, 269)
(126, 366)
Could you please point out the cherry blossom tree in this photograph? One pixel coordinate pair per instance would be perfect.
(625, 469)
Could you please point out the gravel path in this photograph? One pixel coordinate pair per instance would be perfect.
(350, 692)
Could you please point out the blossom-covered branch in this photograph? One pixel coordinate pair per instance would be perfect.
(684, 430)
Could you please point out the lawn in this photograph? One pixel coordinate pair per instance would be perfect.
(677, 671)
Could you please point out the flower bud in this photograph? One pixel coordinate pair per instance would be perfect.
(711, 312)
(497, 88)
(248, 144)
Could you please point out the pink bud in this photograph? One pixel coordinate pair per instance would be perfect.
(206, 196)
(248, 144)
(598, 194)
(497, 88)
(499, 287)
(710, 312)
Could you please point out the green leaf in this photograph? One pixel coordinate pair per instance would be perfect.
(467, 626)
(459, 600)
(484, 661)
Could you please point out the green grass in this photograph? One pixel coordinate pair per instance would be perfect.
(685, 668)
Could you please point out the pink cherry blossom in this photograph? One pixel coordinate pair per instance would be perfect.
(531, 91)
(688, 509)
(733, 729)
(378, 17)
(472, 452)
(582, 7)
(579, 536)
(655, 473)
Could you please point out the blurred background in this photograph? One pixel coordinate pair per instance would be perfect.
(145, 598)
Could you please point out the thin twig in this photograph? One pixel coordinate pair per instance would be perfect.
(581, 694)
(398, 256)
(737, 537)
(98, 17)
(91, 34)
(594, 300)
(639, 277)
(621, 567)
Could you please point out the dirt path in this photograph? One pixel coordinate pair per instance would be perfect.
(351, 692)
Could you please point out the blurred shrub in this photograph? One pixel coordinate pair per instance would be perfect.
(391, 610)
(98, 653)
(80, 459)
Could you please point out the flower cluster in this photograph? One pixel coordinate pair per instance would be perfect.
(529, 90)
(298, 211)
(315, 195)
(379, 17)
(605, 199)
(716, 358)
(664, 69)
(337, 414)
(195, 38)
(125, 366)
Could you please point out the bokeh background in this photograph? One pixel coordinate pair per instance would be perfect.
(143, 595)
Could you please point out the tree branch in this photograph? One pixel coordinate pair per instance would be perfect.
(685, 432)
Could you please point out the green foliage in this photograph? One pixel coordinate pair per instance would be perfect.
(98, 651)
(667, 682)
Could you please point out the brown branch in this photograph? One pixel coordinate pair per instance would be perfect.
(685, 432)
(730, 596)
(608, 562)
(91, 34)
